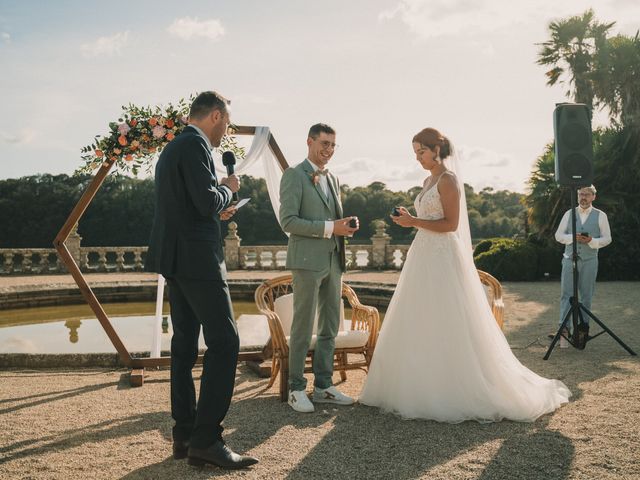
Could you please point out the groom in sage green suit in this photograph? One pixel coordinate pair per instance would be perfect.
(311, 213)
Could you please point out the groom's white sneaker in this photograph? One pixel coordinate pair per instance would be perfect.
(300, 402)
(331, 395)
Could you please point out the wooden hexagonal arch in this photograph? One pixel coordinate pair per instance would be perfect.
(136, 364)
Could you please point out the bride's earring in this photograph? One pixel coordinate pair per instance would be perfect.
(437, 159)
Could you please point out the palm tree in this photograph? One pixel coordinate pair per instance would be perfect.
(617, 79)
(571, 50)
(578, 45)
(546, 202)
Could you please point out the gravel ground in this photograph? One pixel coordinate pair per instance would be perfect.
(89, 424)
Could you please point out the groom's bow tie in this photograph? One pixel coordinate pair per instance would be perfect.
(322, 172)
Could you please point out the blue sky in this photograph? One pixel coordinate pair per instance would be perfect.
(378, 71)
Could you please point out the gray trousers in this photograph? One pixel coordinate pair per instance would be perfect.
(315, 291)
(587, 273)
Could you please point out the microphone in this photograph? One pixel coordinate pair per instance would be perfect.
(229, 161)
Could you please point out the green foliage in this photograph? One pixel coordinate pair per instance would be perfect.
(33, 209)
(483, 246)
(120, 214)
(617, 177)
(495, 213)
(546, 200)
(508, 259)
(572, 51)
(375, 202)
(257, 222)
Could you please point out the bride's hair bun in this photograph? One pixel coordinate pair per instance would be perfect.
(432, 138)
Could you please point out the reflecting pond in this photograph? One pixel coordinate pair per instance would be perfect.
(74, 328)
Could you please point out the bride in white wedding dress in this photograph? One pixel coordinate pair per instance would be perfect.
(440, 354)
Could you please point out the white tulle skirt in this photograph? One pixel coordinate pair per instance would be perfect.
(441, 355)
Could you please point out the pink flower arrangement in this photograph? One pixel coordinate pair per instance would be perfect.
(139, 135)
(158, 131)
(123, 129)
(315, 178)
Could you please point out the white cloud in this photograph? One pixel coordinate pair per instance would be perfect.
(24, 137)
(483, 157)
(435, 18)
(6, 38)
(188, 28)
(106, 46)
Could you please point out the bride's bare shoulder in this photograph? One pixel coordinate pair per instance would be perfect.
(449, 179)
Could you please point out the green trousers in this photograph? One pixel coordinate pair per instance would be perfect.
(315, 291)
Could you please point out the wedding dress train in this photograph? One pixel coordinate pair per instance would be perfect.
(440, 354)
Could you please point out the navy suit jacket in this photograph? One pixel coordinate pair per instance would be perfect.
(186, 240)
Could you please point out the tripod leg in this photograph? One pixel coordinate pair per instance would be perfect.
(581, 333)
(606, 329)
(558, 333)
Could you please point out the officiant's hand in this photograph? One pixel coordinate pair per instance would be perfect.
(341, 227)
(583, 238)
(227, 213)
(232, 181)
(405, 219)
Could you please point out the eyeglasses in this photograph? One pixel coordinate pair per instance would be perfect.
(326, 144)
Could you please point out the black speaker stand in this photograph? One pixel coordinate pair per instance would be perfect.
(580, 335)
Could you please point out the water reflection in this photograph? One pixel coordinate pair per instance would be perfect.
(73, 326)
(71, 329)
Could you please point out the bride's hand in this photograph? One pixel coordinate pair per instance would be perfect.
(405, 219)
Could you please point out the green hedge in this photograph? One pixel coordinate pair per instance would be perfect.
(518, 259)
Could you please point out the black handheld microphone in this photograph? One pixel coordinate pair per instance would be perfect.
(229, 161)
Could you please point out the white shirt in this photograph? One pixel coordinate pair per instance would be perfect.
(605, 230)
(324, 185)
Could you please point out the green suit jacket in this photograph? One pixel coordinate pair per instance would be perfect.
(304, 209)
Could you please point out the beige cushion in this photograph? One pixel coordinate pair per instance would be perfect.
(345, 339)
(283, 306)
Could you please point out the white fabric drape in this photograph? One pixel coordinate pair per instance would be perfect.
(259, 152)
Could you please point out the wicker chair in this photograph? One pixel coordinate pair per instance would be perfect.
(495, 296)
(365, 324)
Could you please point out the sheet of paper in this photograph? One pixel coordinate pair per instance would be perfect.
(241, 203)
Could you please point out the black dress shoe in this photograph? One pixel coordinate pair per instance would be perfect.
(180, 449)
(221, 455)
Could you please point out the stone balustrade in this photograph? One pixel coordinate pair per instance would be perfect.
(29, 261)
(380, 254)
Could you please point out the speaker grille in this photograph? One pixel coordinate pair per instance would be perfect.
(575, 136)
(577, 167)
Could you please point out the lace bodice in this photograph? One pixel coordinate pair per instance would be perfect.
(429, 207)
(428, 204)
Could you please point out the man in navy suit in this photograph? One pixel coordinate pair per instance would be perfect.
(186, 248)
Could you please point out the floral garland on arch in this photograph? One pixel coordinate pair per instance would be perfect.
(139, 136)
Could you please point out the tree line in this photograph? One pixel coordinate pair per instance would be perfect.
(34, 208)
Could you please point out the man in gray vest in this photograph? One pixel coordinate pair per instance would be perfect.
(311, 212)
(592, 233)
